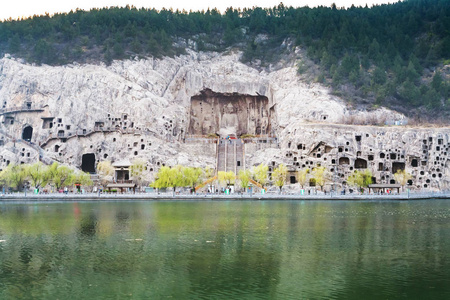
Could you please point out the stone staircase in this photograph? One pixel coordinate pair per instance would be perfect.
(230, 155)
(221, 155)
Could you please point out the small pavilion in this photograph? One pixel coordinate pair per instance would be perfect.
(121, 178)
(383, 187)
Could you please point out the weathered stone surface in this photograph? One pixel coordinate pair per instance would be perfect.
(229, 114)
(141, 109)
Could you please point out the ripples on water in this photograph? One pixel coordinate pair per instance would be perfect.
(225, 250)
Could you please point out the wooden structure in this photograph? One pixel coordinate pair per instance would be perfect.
(376, 187)
(121, 186)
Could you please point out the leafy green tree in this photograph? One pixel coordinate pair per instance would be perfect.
(137, 169)
(136, 46)
(153, 46)
(244, 177)
(60, 175)
(208, 172)
(410, 92)
(226, 177)
(374, 49)
(349, 63)
(105, 170)
(82, 178)
(169, 177)
(402, 177)
(260, 173)
(118, 50)
(433, 99)
(321, 176)
(108, 57)
(163, 179)
(177, 178)
(279, 176)
(360, 179)
(379, 76)
(192, 176)
(436, 82)
(411, 72)
(14, 44)
(38, 174)
(44, 52)
(14, 176)
(302, 177)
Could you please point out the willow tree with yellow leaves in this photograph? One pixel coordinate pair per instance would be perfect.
(402, 178)
(226, 177)
(279, 176)
(244, 177)
(360, 179)
(260, 174)
(303, 177)
(105, 170)
(321, 176)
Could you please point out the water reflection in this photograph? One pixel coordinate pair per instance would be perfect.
(88, 225)
(287, 249)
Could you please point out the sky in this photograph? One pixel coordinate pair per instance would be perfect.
(24, 8)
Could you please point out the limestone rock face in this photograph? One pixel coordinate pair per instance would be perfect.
(141, 109)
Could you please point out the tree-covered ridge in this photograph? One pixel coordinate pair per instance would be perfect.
(378, 53)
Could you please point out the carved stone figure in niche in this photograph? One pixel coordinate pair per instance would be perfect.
(228, 114)
(208, 126)
(229, 123)
(229, 117)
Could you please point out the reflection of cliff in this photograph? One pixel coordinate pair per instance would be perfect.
(229, 113)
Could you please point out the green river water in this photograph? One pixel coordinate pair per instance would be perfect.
(225, 250)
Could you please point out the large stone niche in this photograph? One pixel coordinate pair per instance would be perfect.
(229, 114)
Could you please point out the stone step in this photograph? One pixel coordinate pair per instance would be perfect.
(221, 156)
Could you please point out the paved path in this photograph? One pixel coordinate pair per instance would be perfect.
(20, 197)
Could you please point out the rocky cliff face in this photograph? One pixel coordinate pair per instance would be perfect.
(141, 109)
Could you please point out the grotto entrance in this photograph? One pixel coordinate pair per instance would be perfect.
(229, 114)
(88, 163)
(397, 166)
(360, 163)
(27, 133)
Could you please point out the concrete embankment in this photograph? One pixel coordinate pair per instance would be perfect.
(208, 197)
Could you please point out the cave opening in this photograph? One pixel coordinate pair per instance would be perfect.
(398, 166)
(229, 114)
(344, 161)
(88, 163)
(27, 133)
(360, 163)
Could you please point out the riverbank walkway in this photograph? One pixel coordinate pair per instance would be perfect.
(58, 197)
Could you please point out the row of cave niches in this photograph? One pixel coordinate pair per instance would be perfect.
(133, 147)
(388, 164)
(89, 160)
(23, 153)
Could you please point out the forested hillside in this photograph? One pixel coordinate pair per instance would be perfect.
(391, 55)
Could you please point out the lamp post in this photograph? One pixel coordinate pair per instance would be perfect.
(25, 186)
